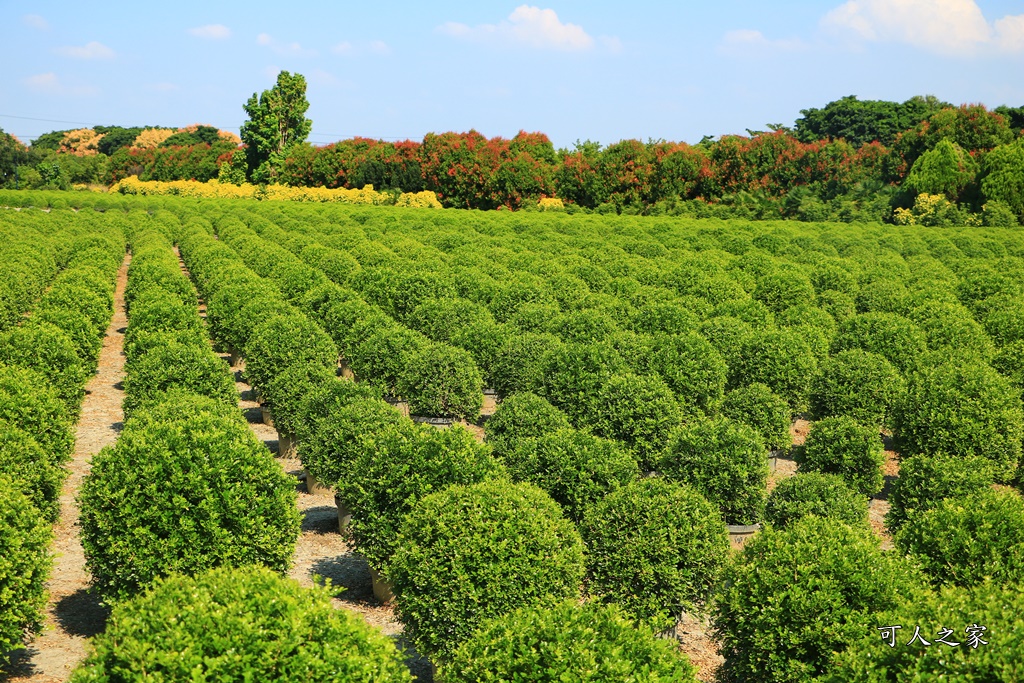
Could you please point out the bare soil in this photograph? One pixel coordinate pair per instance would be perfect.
(74, 614)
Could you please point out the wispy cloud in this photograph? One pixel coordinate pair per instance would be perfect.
(944, 26)
(91, 50)
(48, 83)
(747, 40)
(211, 32)
(36, 22)
(286, 49)
(374, 47)
(531, 27)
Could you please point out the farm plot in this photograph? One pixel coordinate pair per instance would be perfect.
(657, 381)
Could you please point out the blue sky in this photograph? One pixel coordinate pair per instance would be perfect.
(573, 69)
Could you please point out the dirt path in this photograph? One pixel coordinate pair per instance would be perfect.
(74, 615)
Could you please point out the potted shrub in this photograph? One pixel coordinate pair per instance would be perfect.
(857, 383)
(287, 392)
(40, 475)
(574, 374)
(216, 626)
(519, 417)
(639, 411)
(692, 368)
(791, 601)
(725, 461)
(193, 491)
(629, 561)
(560, 643)
(575, 468)
(188, 367)
(442, 381)
(780, 359)
(27, 402)
(519, 364)
(840, 445)
(25, 547)
(282, 341)
(47, 350)
(471, 553)
(925, 480)
(758, 407)
(814, 493)
(891, 336)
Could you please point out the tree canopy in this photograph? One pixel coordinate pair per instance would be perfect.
(277, 121)
(863, 121)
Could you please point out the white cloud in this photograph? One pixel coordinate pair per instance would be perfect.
(343, 48)
(49, 84)
(532, 27)
(91, 50)
(379, 47)
(36, 22)
(743, 40)
(211, 32)
(944, 26)
(286, 49)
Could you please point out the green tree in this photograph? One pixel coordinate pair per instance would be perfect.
(1002, 177)
(277, 120)
(947, 170)
(12, 155)
(863, 121)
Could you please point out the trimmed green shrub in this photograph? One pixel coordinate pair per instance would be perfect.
(326, 399)
(94, 304)
(794, 599)
(814, 493)
(725, 461)
(472, 553)
(757, 406)
(1009, 362)
(229, 327)
(384, 354)
(144, 343)
(692, 368)
(574, 374)
(239, 624)
(50, 352)
(288, 391)
(655, 548)
(857, 383)
(780, 359)
(442, 381)
(892, 336)
(668, 317)
(727, 334)
(839, 305)
(639, 411)
(337, 440)
(25, 564)
(1005, 322)
(962, 409)
(574, 468)
(567, 642)
(966, 541)
(184, 495)
(925, 480)
(286, 340)
(27, 402)
(779, 291)
(178, 366)
(885, 295)
(157, 310)
(79, 329)
(519, 364)
(404, 466)
(36, 470)
(841, 445)
(991, 611)
(950, 325)
(520, 417)
(484, 340)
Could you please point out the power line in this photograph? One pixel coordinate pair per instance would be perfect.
(31, 118)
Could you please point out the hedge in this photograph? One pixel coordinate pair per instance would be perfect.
(182, 493)
(471, 553)
(567, 642)
(655, 548)
(25, 564)
(814, 493)
(238, 624)
(840, 445)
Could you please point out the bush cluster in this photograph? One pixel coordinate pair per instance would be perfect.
(814, 493)
(925, 480)
(841, 445)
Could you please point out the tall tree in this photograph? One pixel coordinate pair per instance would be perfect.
(277, 120)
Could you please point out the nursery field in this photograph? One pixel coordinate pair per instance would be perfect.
(517, 446)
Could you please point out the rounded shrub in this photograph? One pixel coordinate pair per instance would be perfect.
(951, 325)
(24, 546)
(519, 363)
(288, 391)
(655, 548)
(839, 305)
(574, 468)
(725, 461)
(40, 476)
(404, 466)
(794, 599)
(1005, 323)
(381, 358)
(337, 441)
(814, 493)
(471, 553)
(50, 352)
(27, 402)
(925, 480)
(286, 340)
(639, 411)
(692, 368)
(229, 328)
(962, 409)
(991, 611)
(324, 400)
(157, 310)
(857, 383)
(1009, 362)
(184, 495)
(779, 291)
(727, 334)
(442, 381)
(969, 540)
(95, 304)
(892, 336)
(841, 445)
(178, 366)
(239, 624)
(520, 417)
(79, 329)
(574, 374)
(781, 359)
(567, 642)
(757, 406)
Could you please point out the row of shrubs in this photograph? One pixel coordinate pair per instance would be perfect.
(46, 358)
(187, 487)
